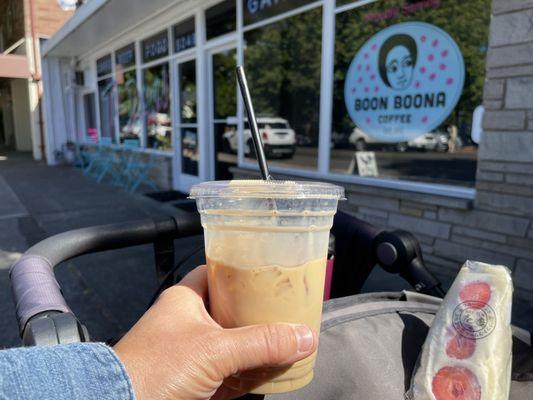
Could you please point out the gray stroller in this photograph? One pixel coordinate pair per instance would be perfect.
(369, 343)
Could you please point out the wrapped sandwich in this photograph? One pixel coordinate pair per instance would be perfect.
(467, 353)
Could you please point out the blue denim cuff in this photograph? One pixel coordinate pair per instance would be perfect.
(65, 372)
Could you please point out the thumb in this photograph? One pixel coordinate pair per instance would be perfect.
(268, 345)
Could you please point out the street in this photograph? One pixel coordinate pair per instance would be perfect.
(455, 169)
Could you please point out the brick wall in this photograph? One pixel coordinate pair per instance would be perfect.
(505, 167)
(15, 19)
(49, 17)
(11, 21)
(497, 226)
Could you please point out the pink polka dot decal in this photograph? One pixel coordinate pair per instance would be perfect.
(404, 81)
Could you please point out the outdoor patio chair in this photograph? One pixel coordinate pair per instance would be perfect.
(94, 161)
(81, 156)
(138, 172)
(110, 165)
(123, 163)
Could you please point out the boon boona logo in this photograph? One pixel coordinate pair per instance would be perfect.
(404, 81)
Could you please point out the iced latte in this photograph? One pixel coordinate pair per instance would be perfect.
(266, 247)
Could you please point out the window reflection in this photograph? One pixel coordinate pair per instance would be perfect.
(188, 91)
(107, 111)
(157, 107)
(283, 62)
(220, 19)
(91, 131)
(188, 118)
(130, 123)
(225, 110)
(445, 154)
(189, 151)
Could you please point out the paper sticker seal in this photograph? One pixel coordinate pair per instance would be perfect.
(474, 319)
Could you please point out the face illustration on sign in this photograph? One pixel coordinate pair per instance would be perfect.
(397, 59)
(404, 81)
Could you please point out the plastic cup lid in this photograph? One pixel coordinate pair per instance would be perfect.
(267, 189)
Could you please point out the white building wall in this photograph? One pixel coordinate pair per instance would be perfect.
(55, 118)
(21, 114)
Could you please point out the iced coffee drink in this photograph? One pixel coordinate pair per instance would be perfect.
(266, 247)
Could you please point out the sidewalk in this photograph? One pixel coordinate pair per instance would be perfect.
(107, 291)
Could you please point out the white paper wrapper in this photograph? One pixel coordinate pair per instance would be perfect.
(467, 353)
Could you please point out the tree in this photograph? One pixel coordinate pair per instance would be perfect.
(467, 22)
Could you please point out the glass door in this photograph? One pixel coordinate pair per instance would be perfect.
(223, 110)
(187, 125)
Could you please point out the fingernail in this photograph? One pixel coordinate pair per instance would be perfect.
(305, 338)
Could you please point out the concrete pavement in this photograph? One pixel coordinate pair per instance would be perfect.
(107, 291)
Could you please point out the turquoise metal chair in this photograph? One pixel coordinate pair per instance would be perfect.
(139, 172)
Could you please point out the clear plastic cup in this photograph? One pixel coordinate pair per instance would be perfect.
(266, 245)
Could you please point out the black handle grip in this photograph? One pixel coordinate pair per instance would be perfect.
(34, 286)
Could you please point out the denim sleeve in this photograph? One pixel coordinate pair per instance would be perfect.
(64, 372)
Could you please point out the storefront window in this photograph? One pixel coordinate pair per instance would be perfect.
(91, 131)
(129, 111)
(408, 78)
(184, 35)
(188, 91)
(107, 111)
(189, 151)
(157, 107)
(259, 10)
(188, 119)
(283, 64)
(157, 94)
(220, 19)
(155, 47)
(104, 68)
(224, 121)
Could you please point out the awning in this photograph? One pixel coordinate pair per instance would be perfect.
(14, 66)
(97, 21)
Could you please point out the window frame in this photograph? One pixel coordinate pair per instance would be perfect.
(133, 67)
(96, 89)
(329, 13)
(167, 20)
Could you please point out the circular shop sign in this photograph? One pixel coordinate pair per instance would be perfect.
(404, 81)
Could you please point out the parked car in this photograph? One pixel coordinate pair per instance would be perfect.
(434, 141)
(279, 139)
(304, 141)
(340, 140)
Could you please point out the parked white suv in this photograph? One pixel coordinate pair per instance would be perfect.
(279, 139)
(434, 141)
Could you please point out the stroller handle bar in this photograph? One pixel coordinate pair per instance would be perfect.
(37, 293)
(44, 317)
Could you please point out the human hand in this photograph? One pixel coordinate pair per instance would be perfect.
(177, 351)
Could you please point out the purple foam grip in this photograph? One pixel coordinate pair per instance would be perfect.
(35, 288)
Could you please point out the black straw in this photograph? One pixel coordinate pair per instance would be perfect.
(258, 143)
